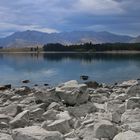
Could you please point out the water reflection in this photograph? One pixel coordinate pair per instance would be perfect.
(55, 68)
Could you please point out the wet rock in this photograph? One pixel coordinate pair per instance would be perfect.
(23, 90)
(84, 77)
(21, 120)
(26, 81)
(35, 133)
(5, 87)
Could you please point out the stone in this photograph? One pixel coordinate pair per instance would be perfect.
(133, 102)
(23, 90)
(128, 135)
(92, 84)
(72, 97)
(121, 97)
(131, 116)
(11, 110)
(54, 105)
(47, 96)
(134, 91)
(73, 93)
(50, 115)
(4, 136)
(82, 110)
(37, 113)
(4, 118)
(35, 133)
(58, 125)
(21, 120)
(129, 83)
(63, 116)
(105, 129)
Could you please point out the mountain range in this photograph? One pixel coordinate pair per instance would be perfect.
(31, 38)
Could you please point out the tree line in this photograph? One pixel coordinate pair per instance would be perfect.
(89, 47)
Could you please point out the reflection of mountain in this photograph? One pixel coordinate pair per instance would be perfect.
(34, 62)
(55, 68)
(30, 38)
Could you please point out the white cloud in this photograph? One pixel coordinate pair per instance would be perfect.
(99, 7)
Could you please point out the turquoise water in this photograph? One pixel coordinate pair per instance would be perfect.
(55, 68)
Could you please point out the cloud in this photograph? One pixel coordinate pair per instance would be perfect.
(66, 15)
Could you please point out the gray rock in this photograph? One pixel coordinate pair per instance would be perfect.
(105, 129)
(128, 135)
(73, 93)
(59, 125)
(11, 110)
(131, 116)
(82, 110)
(133, 102)
(5, 137)
(50, 115)
(35, 133)
(21, 120)
(134, 91)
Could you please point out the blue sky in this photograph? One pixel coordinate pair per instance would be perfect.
(117, 16)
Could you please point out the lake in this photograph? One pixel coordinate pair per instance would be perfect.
(55, 68)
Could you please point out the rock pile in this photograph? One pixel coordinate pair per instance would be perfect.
(71, 111)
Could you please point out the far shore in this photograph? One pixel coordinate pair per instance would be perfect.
(49, 52)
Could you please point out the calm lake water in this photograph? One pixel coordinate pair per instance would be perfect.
(55, 68)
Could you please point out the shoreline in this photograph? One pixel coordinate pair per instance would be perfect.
(70, 110)
(104, 52)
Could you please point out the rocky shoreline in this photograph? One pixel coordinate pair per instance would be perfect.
(71, 111)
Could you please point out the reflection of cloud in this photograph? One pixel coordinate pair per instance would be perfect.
(50, 72)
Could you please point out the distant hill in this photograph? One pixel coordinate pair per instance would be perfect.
(136, 40)
(30, 38)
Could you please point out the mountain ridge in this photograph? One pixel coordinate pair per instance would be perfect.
(32, 37)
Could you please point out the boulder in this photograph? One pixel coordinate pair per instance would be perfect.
(133, 102)
(105, 129)
(92, 84)
(37, 113)
(4, 118)
(82, 110)
(5, 137)
(35, 133)
(50, 115)
(11, 110)
(128, 135)
(131, 116)
(22, 90)
(73, 93)
(134, 91)
(21, 120)
(59, 125)
(46, 96)
(54, 105)
(129, 83)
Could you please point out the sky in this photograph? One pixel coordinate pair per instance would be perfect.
(116, 16)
